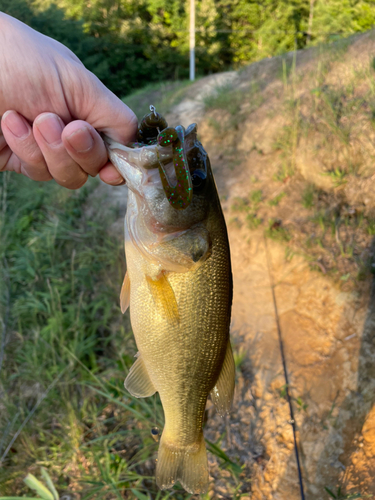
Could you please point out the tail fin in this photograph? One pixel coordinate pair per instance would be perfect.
(187, 465)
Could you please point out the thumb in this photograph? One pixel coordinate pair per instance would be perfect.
(89, 100)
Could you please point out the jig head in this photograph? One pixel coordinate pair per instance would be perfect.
(150, 126)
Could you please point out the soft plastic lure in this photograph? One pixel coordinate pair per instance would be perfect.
(154, 129)
(180, 195)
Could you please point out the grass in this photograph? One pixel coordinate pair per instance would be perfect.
(235, 105)
(250, 206)
(276, 200)
(308, 196)
(65, 350)
(224, 98)
(338, 176)
(163, 96)
(277, 232)
(339, 495)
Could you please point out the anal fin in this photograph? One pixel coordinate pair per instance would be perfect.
(138, 381)
(125, 294)
(164, 297)
(222, 393)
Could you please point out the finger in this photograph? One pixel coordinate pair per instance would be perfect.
(85, 146)
(5, 153)
(109, 175)
(27, 157)
(47, 130)
(98, 106)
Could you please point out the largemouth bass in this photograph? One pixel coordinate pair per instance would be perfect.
(179, 287)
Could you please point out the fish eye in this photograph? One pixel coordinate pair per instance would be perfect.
(198, 178)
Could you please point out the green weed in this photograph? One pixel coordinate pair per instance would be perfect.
(301, 405)
(240, 205)
(308, 196)
(256, 197)
(276, 200)
(212, 122)
(339, 495)
(289, 254)
(252, 221)
(238, 104)
(337, 175)
(284, 172)
(224, 98)
(277, 232)
(370, 227)
(249, 206)
(239, 356)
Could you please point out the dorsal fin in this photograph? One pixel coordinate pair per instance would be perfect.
(164, 297)
(222, 393)
(125, 294)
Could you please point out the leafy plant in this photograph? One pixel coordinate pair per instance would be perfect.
(308, 196)
(337, 175)
(277, 232)
(276, 200)
(341, 496)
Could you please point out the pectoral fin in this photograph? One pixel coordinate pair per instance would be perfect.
(138, 381)
(164, 297)
(222, 393)
(125, 294)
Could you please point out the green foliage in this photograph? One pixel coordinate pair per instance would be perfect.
(276, 199)
(130, 43)
(337, 175)
(277, 232)
(308, 196)
(339, 495)
(253, 221)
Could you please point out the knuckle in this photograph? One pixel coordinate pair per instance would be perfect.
(33, 155)
(78, 183)
(70, 179)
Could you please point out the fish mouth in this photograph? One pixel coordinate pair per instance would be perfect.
(166, 163)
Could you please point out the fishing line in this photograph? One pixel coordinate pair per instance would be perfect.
(289, 399)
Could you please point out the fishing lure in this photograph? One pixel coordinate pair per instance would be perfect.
(154, 129)
(180, 195)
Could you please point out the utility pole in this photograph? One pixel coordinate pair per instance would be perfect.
(311, 17)
(192, 40)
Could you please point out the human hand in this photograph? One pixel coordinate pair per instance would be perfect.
(52, 108)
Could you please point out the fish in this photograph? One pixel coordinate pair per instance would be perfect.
(178, 286)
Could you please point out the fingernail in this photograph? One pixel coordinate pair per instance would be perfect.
(81, 140)
(118, 182)
(50, 127)
(16, 124)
